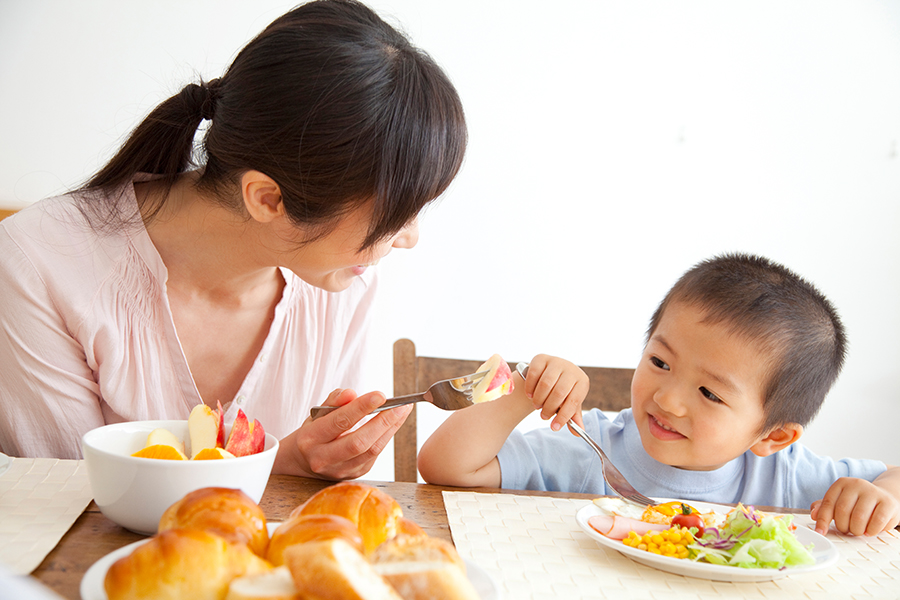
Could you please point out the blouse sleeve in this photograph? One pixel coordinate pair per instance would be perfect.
(48, 395)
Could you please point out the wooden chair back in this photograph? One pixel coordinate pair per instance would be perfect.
(610, 390)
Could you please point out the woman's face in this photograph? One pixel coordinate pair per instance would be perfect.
(333, 261)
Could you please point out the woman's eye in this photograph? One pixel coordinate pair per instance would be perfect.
(709, 395)
(656, 362)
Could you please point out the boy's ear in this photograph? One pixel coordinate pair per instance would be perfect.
(262, 196)
(777, 439)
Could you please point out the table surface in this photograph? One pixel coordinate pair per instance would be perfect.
(94, 536)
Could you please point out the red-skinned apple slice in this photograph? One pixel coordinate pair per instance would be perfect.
(498, 382)
(205, 429)
(245, 437)
(220, 436)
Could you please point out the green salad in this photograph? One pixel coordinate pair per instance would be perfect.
(752, 540)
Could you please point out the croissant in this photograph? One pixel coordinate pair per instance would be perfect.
(307, 528)
(181, 564)
(227, 512)
(374, 513)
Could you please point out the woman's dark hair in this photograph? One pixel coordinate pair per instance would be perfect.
(332, 103)
(796, 327)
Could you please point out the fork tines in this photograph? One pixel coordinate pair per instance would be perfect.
(467, 382)
(640, 499)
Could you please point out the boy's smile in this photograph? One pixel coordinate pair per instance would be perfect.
(697, 394)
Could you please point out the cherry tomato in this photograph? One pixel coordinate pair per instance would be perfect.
(688, 518)
(689, 521)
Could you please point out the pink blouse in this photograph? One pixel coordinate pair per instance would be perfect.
(87, 337)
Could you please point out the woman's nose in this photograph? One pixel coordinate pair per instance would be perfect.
(408, 237)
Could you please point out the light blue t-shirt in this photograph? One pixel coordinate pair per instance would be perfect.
(559, 461)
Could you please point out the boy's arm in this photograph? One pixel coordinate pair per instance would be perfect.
(463, 450)
(860, 507)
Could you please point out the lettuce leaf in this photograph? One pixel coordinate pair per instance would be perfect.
(751, 540)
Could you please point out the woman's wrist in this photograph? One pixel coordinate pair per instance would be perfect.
(289, 460)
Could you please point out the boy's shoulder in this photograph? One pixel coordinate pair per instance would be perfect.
(796, 476)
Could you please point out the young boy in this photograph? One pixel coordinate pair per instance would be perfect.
(739, 357)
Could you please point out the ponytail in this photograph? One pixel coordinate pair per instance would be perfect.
(163, 143)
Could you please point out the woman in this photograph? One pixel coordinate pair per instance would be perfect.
(244, 281)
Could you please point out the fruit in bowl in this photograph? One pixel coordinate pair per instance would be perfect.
(206, 428)
(134, 492)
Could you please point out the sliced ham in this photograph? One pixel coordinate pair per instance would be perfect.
(617, 528)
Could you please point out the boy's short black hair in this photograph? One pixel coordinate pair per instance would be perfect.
(786, 316)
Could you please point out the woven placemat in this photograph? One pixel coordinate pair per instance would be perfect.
(40, 498)
(534, 549)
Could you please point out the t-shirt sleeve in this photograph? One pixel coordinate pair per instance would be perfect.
(520, 466)
(545, 460)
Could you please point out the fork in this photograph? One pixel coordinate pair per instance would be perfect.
(611, 474)
(448, 394)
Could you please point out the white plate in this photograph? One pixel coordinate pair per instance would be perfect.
(5, 463)
(92, 582)
(823, 551)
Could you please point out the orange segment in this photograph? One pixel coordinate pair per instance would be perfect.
(212, 454)
(160, 451)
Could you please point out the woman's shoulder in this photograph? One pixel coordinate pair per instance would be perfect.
(64, 250)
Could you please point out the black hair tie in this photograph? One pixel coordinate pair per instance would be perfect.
(208, 106)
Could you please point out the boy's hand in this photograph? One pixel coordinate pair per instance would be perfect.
(557, 387)
(857, 506)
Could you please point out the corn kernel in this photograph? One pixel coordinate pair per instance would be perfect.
(670, 542)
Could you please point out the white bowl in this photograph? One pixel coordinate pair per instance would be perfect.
(134, 492)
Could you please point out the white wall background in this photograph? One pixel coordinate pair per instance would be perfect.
(612, 145)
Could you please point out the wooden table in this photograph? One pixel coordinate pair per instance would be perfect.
(93, 535)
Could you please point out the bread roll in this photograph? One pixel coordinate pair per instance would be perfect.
(335, 570)
(373, 512)
(420, 567)
(308, 528)
(181, 564)
(408, 527)
(415, 580)
(417, 548)
(276, 584)
(227, 512)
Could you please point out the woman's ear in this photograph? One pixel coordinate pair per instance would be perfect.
(262, 196)
(777, 439)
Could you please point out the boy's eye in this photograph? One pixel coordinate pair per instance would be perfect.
(656, 362)
(709, 395)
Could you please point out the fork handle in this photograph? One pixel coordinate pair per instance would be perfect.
(318, 411)
(574, 427)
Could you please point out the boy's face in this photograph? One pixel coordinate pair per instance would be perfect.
(697, 394)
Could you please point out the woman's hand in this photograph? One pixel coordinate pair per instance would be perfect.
(330, 447)
(556, 387)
